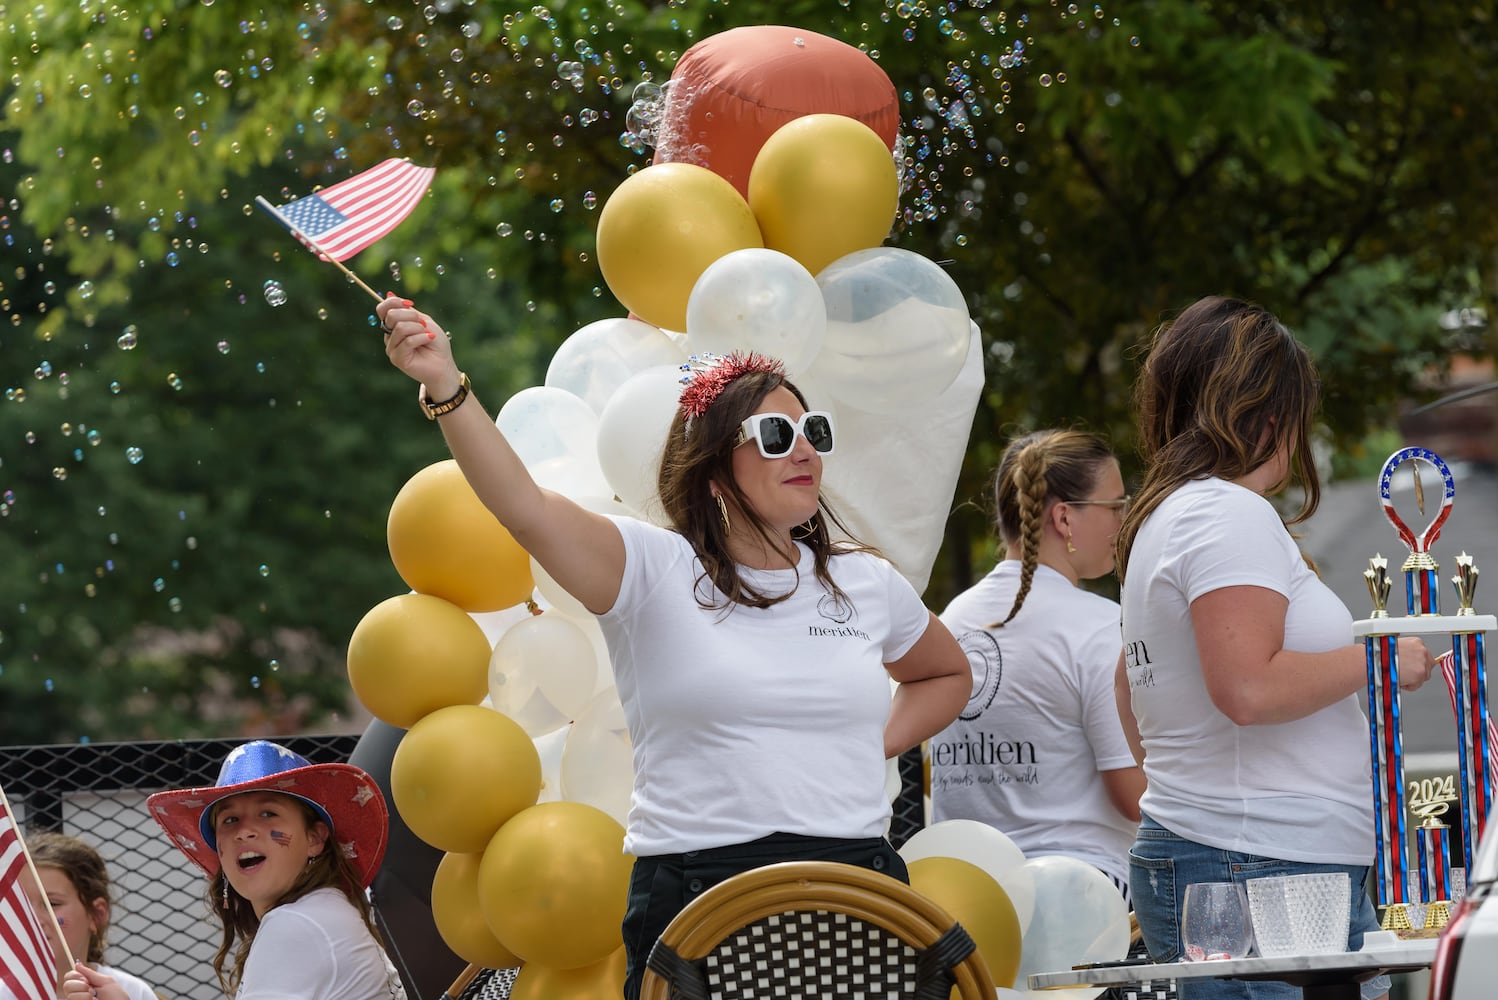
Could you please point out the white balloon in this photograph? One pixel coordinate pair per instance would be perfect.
(1080, 917)
(632, 434)
(892, 782)
(893, 476)
(550, 593)
(600, 357)
(985, 847)
(496, 623)
(549, 749)
(597, 762)
(897, 328)
(555, 434)
(757, 300)
(542, 672)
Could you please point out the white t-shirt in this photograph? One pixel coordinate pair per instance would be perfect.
(135, 988)
(1298, 791)
(750, 721)
(1042, 721)
(317, 948)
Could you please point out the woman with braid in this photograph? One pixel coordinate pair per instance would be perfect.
(1039, 752)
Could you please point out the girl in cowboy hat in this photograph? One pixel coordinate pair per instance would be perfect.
(753, 649)
(289, 847)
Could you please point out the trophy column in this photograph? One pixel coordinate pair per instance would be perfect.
(1469, 700)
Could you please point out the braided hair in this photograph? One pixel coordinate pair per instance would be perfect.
(1038, 470)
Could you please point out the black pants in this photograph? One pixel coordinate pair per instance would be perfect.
(662, 885)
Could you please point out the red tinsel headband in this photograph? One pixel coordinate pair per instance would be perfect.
(705, 376)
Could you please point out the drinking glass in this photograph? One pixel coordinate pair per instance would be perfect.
(1214, 922)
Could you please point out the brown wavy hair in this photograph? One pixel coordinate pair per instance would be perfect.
(1036, 470)
(1224, 387)
(85, 869)
(330, 869)
(700, 454)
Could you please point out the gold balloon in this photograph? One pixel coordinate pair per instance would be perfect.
(413, 654)
(446, 543)
(553, 884)
(822, 187)
(600, 981)
(461, 773)
(660, 230)
(460, 922)
(979, 904)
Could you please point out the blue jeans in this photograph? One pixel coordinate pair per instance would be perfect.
(1162, 864)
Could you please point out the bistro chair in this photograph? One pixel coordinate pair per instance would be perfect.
(814, 929)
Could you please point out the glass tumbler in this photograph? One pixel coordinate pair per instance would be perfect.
(1215, 922)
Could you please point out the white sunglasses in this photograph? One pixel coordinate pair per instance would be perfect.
(775, 433)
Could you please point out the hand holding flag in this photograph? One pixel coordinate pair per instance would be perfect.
(339, 221)
(27, 966)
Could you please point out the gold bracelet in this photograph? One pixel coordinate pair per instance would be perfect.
(435, 410)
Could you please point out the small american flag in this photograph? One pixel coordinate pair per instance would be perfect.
(354, 213)
(1447, 663)
(27, 966)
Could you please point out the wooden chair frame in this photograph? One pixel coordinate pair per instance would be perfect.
(792, 886)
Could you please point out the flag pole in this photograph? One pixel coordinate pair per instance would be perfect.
(276, 214)
(31, 867)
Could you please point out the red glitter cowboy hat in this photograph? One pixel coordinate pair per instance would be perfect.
(342, 795)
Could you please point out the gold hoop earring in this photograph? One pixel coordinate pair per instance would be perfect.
(1069, 546)
(805, 530)
(722, 512)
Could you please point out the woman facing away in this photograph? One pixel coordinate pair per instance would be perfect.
(75, 882)
(752, 653)
(289, 848)
(1039, 752)
(1238, 669)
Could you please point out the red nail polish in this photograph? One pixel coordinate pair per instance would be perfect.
(431, 335)
(408, 303)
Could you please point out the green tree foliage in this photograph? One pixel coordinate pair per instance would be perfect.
(1081, 170)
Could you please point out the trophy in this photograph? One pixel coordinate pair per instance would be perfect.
(1467, 681)
(1429, 800)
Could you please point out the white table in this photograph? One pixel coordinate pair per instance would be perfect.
(1321, 977)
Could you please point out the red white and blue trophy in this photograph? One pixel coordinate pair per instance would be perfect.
(1380, 633)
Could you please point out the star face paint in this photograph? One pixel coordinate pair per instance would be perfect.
(264, 841)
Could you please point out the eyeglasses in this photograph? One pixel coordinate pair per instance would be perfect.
(1121, 504)
(775, 433)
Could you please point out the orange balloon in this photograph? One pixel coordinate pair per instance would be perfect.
(600, 981)
(660, 230)
(979, 904)
(413, 654)
(822, 187)
(461, 773)
(731, 91)
(460, 922)
(553, 884)
(444, 542)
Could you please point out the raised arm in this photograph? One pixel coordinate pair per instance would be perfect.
(935, 682)
(1254, 680)
(581, 550)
